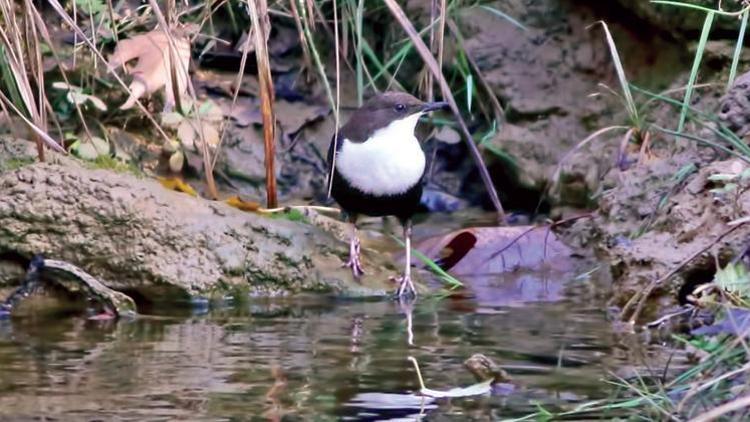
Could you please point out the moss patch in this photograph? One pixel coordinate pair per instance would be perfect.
(15, 163)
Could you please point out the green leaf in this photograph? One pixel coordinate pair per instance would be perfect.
(96, 102)
(85, 150)
(171, 119)
(722, 177)
(91, 7)
(707, 23)
(176, 161)
(734, 278)
(76, 97)
(64, 86)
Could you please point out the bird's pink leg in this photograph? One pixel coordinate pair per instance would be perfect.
(405, 285)
(354, 248)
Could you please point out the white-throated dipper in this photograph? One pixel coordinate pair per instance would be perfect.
(378, 168)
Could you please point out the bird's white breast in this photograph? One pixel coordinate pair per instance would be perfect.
(389, 163)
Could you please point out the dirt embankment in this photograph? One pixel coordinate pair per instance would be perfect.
(672, 221)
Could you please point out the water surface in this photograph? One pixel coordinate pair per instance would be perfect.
(302, 359)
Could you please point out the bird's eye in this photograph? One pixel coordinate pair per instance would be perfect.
(400, 108)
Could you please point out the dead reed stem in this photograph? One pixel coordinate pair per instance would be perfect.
(259, 18)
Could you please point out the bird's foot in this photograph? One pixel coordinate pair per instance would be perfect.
(406, 287)
(354, 262)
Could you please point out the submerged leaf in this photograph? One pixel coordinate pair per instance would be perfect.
(493, 250)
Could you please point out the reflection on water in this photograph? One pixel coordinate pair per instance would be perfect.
(298, 359)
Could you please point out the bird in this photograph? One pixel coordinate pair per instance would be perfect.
(376, 166)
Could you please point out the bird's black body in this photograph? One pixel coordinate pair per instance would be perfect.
(354, 201)
(376, 167)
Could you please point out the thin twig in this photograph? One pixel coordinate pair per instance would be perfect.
(725, 408)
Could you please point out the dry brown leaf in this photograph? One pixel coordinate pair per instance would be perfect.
(493, 250)
(174, 183)
(241, 204)
(153, 68)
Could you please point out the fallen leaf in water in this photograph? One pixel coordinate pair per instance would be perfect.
(488, 250)
(153, 69)
(478, 389)
(174, 183)
(241, 204)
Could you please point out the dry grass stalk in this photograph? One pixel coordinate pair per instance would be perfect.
(40, 29)
(21, 47)
(432, 64)
(57, 7)
(306, 59)
(338, 95)
(261, 30)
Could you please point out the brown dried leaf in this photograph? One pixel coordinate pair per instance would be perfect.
(153, 68)
(493, 250)
(179, 185)
(241, 204)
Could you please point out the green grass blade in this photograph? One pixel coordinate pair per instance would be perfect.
(712, 123)
(694, 71)
(703, 141)
(738, 50)
(701, 8)
(504, 16)
(624, 84)
(359, 12)
(446, 278)
(9, 82)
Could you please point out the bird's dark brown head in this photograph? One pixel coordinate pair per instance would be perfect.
(382, 109)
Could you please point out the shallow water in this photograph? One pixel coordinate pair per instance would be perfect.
(306, 359)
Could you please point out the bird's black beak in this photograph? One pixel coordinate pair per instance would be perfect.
(428, 107)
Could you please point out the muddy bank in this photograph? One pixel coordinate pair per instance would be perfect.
(136, 236)
(545, 75)
(671, 221)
